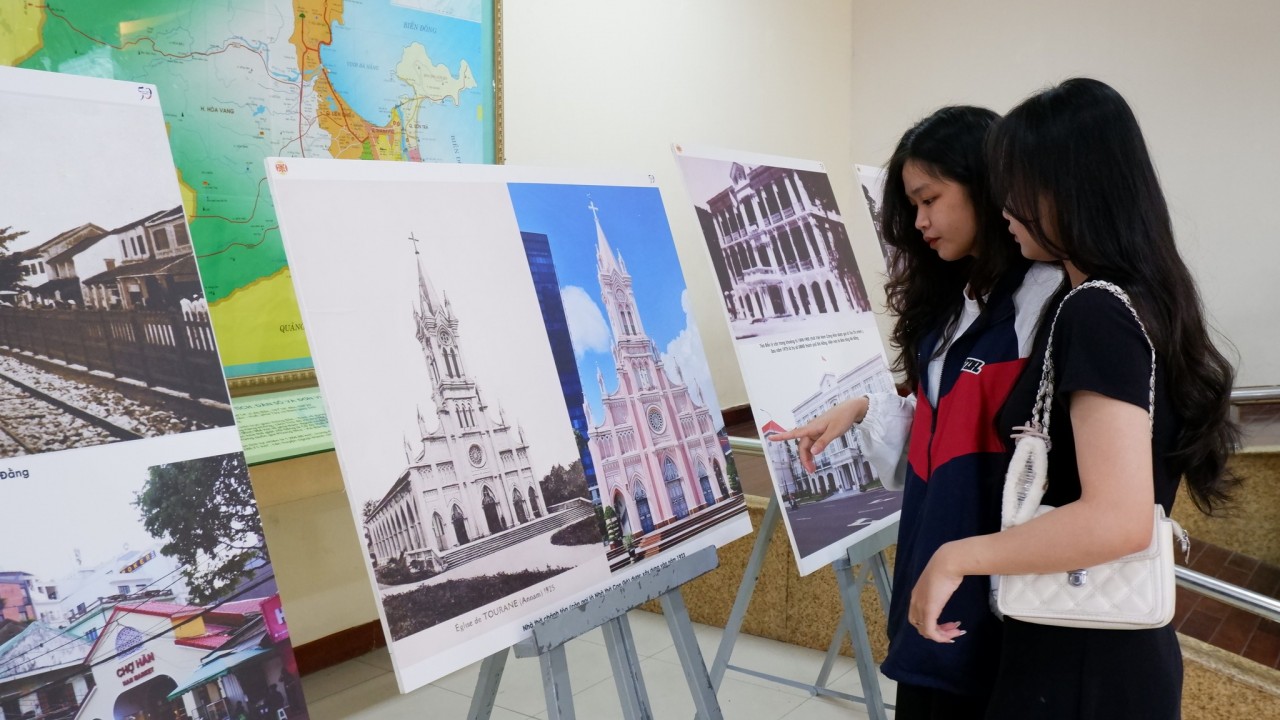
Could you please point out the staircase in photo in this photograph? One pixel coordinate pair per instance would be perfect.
(566, 514)
(677, 532)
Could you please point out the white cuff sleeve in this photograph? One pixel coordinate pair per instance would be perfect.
(886, 434)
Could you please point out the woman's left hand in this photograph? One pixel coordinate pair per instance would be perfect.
(930, 595)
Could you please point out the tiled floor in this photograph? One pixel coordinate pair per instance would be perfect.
(365, 687)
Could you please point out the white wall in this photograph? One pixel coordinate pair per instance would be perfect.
(1203, 78)
(613, 84)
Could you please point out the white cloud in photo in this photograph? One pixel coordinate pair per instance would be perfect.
(587, 326)
(687, 353)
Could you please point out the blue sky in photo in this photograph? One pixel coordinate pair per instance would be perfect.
(635, 224)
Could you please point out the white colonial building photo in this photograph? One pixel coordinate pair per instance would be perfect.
(780, 249)
(841, 467)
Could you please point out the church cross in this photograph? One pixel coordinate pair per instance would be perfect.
(591, 205)
(415, 244)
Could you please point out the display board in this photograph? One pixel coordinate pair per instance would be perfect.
(519, 400)
(803, 330)
(134, 575)
(871, 181)
(245, 79)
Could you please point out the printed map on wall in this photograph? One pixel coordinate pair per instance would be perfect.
(247, 79)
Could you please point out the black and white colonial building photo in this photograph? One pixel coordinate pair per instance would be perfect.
(779, 247)
(104, 336)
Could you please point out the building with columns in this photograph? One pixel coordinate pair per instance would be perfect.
(841, 466)
(656, 449)
(783, 464)
(468, 473)
(780, 249)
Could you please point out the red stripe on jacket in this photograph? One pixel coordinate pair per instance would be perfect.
(972, 396)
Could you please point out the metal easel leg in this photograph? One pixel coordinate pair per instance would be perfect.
(772, 514)
(851, 594)
(548, 636)
(487, 685)
(879, 574)
(621, 645)
(883, 580)
(833, 652)
(695, 671)
(555, 683)
(879, 568)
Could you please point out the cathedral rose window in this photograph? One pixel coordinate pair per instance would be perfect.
(656, 422)
(476, 455)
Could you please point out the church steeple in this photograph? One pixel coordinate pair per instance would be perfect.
(604, 254)
(426, 293)
(615, 287)
(454, 393)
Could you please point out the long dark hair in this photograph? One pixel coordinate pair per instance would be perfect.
(1075, 152)
(924, 290)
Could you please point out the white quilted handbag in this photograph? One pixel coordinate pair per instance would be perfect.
(1132, 593)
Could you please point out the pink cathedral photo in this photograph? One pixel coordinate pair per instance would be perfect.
(656, 455)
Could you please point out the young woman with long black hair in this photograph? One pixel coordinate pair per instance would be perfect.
(967, 304)
(1080, 189)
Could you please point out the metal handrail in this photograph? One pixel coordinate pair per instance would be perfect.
(1197, 582)
(1233, 595)
(1260, 394)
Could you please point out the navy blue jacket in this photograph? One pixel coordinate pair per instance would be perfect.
(956, 466)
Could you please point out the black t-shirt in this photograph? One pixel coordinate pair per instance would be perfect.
(1058, 673)
(1099, 347)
